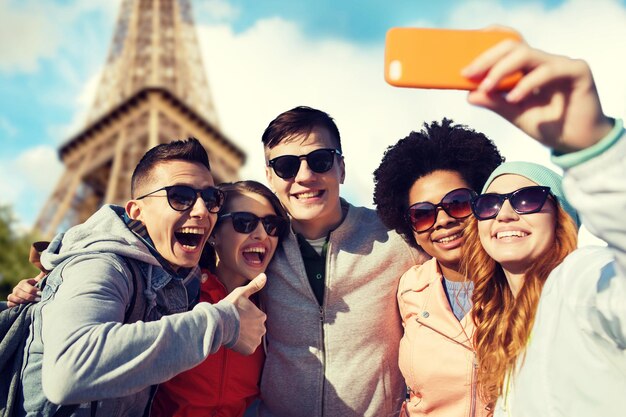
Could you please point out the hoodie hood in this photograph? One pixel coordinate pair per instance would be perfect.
(104, 232)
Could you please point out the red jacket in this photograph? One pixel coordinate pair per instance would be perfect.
(225, 384)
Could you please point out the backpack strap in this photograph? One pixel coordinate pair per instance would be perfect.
(14, 325)
(134, 272)
(67, 410)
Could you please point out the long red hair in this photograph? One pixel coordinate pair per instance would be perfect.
(503, 322)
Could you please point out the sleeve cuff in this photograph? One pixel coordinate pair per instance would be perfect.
(569, 160)
(231, 322)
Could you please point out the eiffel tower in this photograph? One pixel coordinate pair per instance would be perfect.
(153, 90)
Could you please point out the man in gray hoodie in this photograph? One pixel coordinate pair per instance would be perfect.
(333, 327)
(80, 348)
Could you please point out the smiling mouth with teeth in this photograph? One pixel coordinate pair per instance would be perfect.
(450, 238)
(511, 233)
(255, 255)
(189, 237)
(308, 194)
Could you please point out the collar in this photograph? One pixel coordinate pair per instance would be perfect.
(139, 229)
(309, 251)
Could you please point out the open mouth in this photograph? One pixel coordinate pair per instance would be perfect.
(189, 237)
(254, 255)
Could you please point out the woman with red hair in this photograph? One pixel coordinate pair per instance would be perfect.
(551, 322)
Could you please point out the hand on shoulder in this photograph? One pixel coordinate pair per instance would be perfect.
(25, 291)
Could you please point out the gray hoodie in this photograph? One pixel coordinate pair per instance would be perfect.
(79, 350)
(340, 358)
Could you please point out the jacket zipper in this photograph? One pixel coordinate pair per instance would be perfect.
(473, 382)
(322, 319)
(322, 316)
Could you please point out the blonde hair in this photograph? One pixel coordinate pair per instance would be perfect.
(503, 322)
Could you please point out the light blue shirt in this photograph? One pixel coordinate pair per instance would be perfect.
(459, 294)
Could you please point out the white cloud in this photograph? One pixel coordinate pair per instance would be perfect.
(594, 31)
(272, 67)
(33, 30)
(46, 30)
(82, 105)
(21, 49)
(41, 168)
(28, 179)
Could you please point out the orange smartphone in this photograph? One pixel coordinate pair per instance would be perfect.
(434, 58)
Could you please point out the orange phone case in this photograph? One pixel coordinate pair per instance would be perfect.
(434, 58)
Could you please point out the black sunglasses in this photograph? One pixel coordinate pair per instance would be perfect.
(183, 197)
(457, 203)
(320, 161)
(245, 222)
(526, 200)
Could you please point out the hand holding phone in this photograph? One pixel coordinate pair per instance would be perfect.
(434, 58)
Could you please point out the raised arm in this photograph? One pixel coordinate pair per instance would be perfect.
(90, 354)
(555, 102)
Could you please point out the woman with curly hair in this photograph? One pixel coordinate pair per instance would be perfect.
(423, 189)
(550, 318)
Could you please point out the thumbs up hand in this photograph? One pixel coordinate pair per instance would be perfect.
(251, 319)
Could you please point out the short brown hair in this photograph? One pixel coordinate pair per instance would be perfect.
(190, 150)
(297, 121)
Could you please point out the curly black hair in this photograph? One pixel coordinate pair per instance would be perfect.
(438, 146)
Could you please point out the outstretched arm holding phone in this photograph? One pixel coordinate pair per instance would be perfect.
(573, 361)
(556, 102)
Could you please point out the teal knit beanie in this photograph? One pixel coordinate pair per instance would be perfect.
(539, 175)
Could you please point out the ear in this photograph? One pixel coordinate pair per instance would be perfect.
(269, 175)
(342, 167)
(133, 209)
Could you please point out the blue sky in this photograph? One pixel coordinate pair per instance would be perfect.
(355, 20)
(263, 57)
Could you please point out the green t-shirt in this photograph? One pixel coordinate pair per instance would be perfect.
(315, 266)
